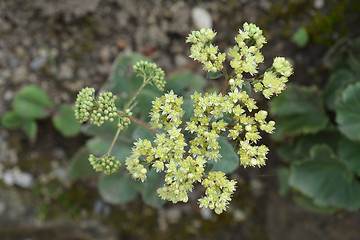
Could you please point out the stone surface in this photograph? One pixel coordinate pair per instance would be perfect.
(201, 18)
(19, 220)
(288, 221)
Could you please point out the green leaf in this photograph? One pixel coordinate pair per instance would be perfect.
(349, 151)
(142, 133)
(305, 143)
(334, 88)
(80, 165)
(185, 83)
(31, 103)
(298, 110)
(229, 161)
(188, 107)
(144, 101)
(30, 128)
(123, 82)
(286, 153)
(149, 191)
(301, 148)
(348, 112)
(309, 204)
(11, 120)
(108, 129)
(213, 75)
(325, 178)
(65, 122)
(179, 82)
(247, 87)
(100, 146)
(118, 188)
(197, 83)
(122, 72)
(301, 37)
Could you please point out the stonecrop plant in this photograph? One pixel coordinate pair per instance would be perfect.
(182, 149)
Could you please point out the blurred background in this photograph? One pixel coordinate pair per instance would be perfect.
(309, 188)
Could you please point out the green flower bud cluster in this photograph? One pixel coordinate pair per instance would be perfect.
(106, 164)
(203, 51)
(274, 78)
(124, 119)
(105, 110)
(246, 53)
(98, 111)
(151, 73)
(218, 192)
(84, 104)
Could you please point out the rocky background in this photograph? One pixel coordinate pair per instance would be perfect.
(63, 46)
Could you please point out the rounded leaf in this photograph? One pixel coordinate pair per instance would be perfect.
(80, 165)
(185, 83)
(144, 100)
(31, 103)
(298, 110)
(65, 122)
(326, 179)
(108, 129)
(214, 75)
(121, 73)
(348, 112)
(335, 86)
(150, 186)
(117, 188)
(11, 120)
(100, 146)
(349, 151)
(143, 133)
(188, 107)
(30, 127)
(229, 160)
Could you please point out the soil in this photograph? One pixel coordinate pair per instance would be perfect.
(63, 46)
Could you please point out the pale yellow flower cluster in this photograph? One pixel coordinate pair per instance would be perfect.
(246, 52)
(218, 192)
(203, 51)
(274, 78)
(182, 150)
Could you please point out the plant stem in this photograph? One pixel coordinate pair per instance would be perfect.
(225, 73)
(114, 140)
(257, 78)
(143, 124)
(227, 78)
(136, 94)
(126, 107)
